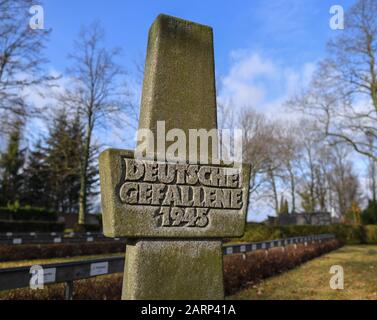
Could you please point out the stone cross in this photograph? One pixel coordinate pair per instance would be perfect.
(174, 214)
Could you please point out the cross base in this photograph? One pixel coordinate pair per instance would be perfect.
(173, 270)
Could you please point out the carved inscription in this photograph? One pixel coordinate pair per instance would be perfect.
(183, 194)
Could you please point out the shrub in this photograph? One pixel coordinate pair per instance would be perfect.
(108, 287)
(352, 234)
(27, 213)
(87, 227)
(369, 215)
(371, 234)
(259, 232)
(243, 269)
(30, 226)
(57, 250)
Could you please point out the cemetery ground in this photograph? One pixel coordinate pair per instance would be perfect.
(311, 280)
(307, 281)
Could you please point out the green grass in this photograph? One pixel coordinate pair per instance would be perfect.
(311, 280)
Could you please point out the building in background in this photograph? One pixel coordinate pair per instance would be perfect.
(302, 218)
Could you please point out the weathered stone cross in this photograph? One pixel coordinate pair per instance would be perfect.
(174, 214)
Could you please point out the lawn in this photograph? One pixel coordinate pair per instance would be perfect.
(311, 280)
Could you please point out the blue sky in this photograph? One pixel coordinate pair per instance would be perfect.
(291, 32)
(264, 50)
(279, 41)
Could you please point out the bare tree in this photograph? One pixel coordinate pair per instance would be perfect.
(313, 164)
(290, 157)
(343, 93)
(344, 182)
(225, 115)
(272, 180)
(97, 91)
(310, 141)
(372, 172)
(263, 148)
(21, 59)
(257, 145)
(322, 172)
(372, 177)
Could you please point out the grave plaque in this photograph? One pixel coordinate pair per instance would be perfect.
(144, 198)
(174, 214)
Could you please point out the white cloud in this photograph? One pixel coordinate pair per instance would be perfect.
(258, 82)
(109, 135)
(40, 97)
(248, 65)
(241, 84)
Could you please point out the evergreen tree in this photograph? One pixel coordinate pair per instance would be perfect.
(36, 191)
(52, 173)
(59, 165)
(284, 208)
(307, 202)
(353, 214)
(11, 164)
(76, 153)
(57, 161)
(281, 205)
(369, 214)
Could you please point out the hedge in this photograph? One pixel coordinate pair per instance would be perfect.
(250, 268)
(371, 233)
(239, 271)
(351, 234)
(88, 227)
(57, 250)
(27, 213)
(31, 226)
